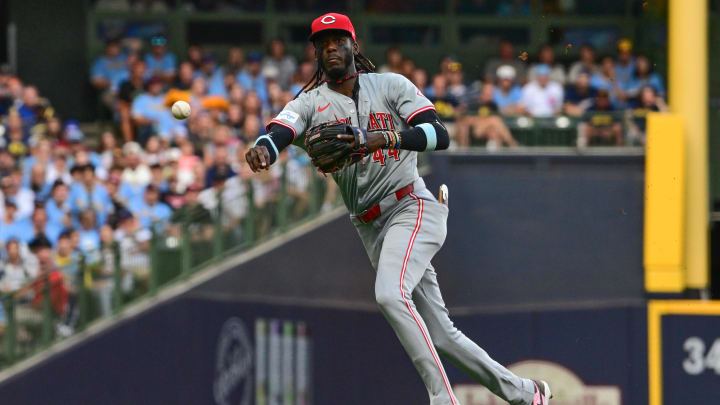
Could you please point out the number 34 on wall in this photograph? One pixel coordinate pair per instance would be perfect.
(698, 360)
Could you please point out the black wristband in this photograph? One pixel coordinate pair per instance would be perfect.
(268, 143)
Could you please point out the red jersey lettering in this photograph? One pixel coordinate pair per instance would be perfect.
(379, 157)
(373, 123)
(394, 153)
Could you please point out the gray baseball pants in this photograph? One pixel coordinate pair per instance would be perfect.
(400, 243)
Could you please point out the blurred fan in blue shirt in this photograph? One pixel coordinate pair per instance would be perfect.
(251, 78)
(57, 205)
(159, 61)
(150, 209)
(89, 236)
(111, 69)
(29, 228)
(507, 94)
(643, 76)
(89, 194)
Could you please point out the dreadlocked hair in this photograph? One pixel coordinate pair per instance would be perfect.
(362, 65)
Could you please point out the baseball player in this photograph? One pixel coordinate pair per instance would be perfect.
(366, 129)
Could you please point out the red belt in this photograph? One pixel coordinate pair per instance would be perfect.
(374, 211)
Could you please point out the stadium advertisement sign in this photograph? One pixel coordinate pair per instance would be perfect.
(276, 366)
(234, 364)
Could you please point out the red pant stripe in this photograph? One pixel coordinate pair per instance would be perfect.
(412, 313)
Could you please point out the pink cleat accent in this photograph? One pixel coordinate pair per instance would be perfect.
(542, 395)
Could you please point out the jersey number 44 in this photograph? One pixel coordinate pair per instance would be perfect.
(379, 155)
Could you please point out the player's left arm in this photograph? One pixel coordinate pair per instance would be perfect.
(427, 132)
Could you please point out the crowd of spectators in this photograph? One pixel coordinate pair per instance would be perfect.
(62, 200)
(610, 96)
(496, 7)
(484, 7)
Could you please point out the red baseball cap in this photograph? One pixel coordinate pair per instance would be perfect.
(332, 21)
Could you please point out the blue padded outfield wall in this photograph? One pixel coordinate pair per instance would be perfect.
(522, 231)
(530, 229)
(180, 353)
(552, 289)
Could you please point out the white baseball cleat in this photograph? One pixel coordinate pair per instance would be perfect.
(542, 393)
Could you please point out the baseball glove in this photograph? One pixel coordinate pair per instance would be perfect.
(330, 154)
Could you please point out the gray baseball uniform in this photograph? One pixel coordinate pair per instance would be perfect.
(405, 237)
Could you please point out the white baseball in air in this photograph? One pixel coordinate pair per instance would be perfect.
(180, 109)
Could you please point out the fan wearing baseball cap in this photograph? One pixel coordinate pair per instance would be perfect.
(507, 93)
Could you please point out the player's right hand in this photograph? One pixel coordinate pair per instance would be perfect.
(258, 158)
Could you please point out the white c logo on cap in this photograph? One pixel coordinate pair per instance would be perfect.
(328, 19)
